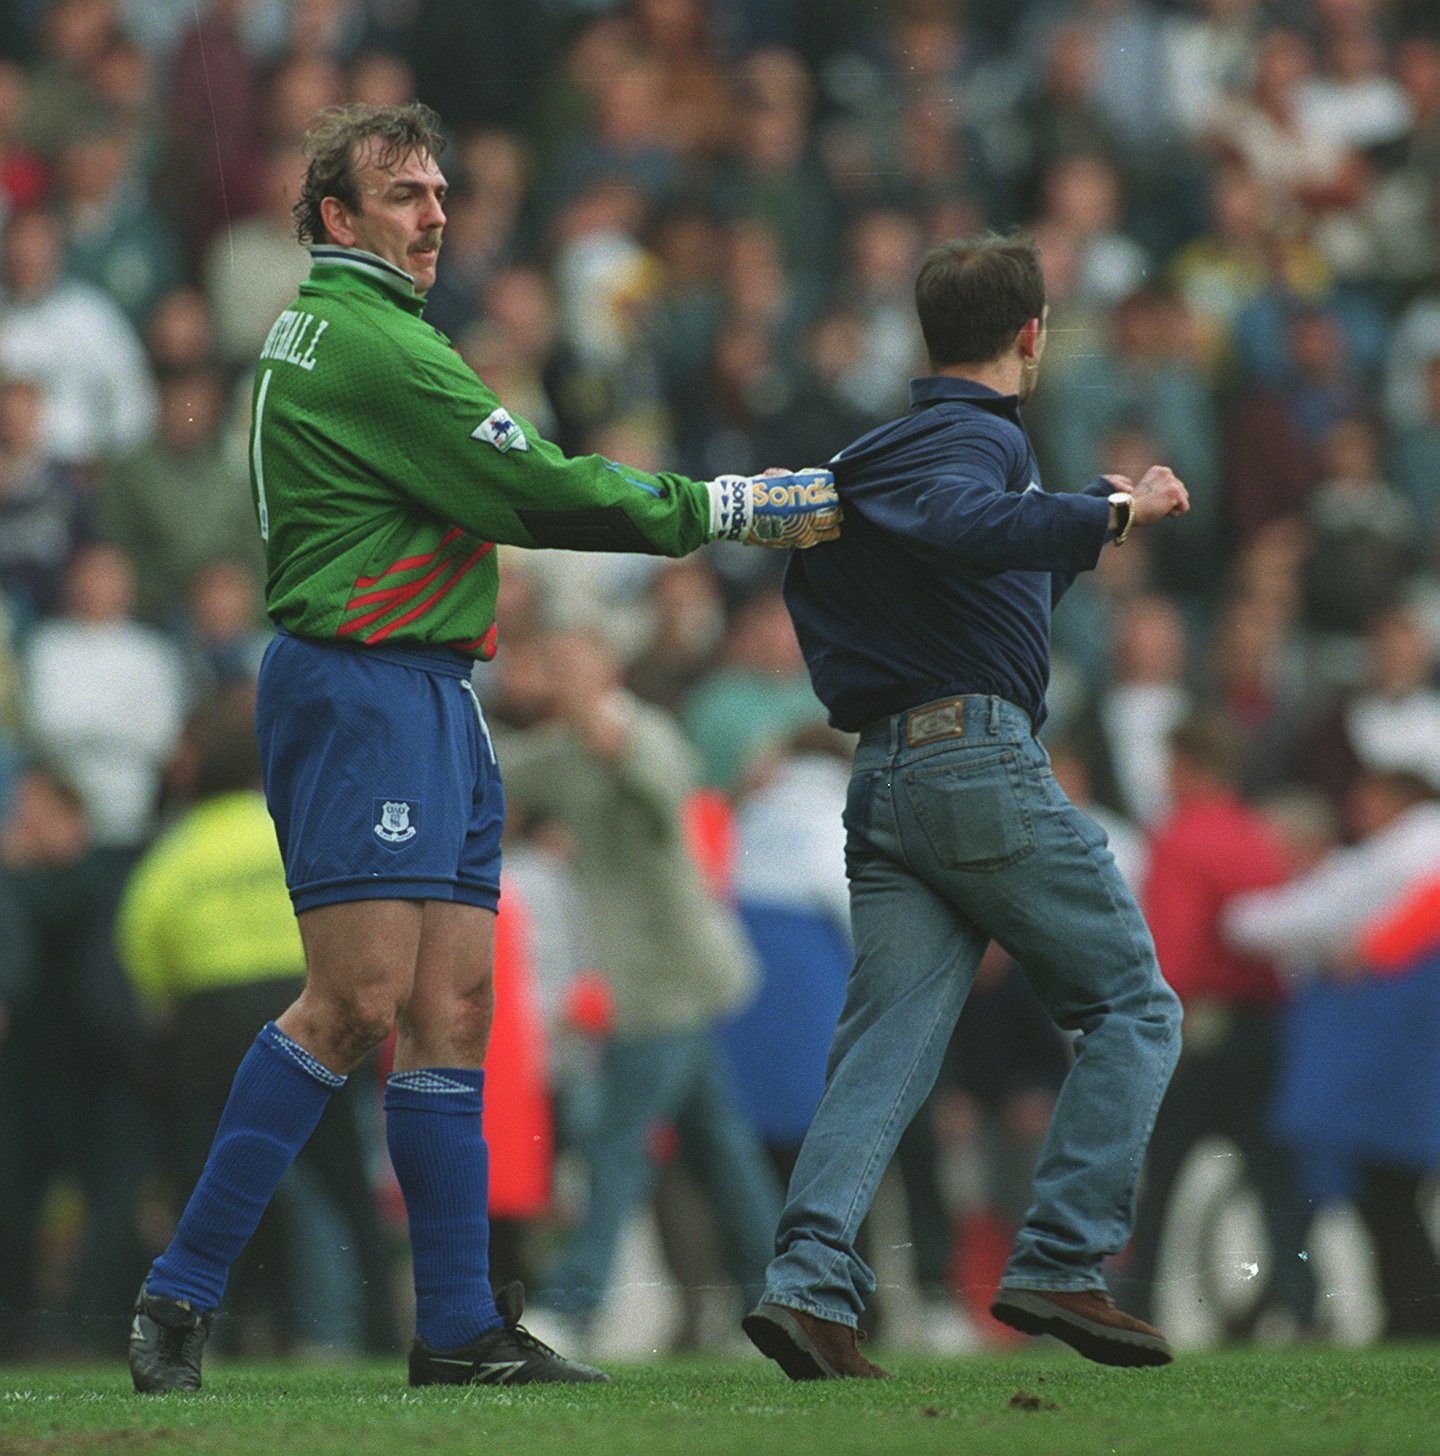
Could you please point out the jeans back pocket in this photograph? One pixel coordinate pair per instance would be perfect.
(972, 807)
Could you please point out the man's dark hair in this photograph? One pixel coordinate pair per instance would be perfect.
(221, 733)
(974, 295)
(1210, 743)
(333, 145)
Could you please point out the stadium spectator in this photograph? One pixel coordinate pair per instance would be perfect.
(775, 176)
(1391, 719)
(76, 344)
(1266, 129)
(1123, 731)
(1363, 534)
(687, 622)
(1275, 431)
(629, 136)
(517, 347)
(70, 1083)
(992, 1105)
(208, 941)
(885, 247)
(211, 172)
(252, 269)
(517, 1071)
(1210, 848)
(1210, 54)
(1060, 115)
(1359, 1094)
(180, 332)
(106, 698)
(1256, 681)
(61, 102)
(182, 499)
(1413, 343)
(789, 819)
(1146, 376)
(482, 235)
(24, 178)
(43, 516)
(1415, 457)
(225, 633)
(115, 238)
(1082, 200)
(1352, 100)
(1229, 263)
(614, 774)
(757, 694)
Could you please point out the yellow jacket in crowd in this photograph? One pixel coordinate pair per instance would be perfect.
(207, 907)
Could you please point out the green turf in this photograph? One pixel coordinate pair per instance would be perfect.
(1309, 1401)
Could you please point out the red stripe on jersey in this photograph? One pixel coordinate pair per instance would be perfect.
(393, 598)
(381, 633)
(407, 563)
(484, 646)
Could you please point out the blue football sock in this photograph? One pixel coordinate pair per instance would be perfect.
(432, 1127)
(277, 1097)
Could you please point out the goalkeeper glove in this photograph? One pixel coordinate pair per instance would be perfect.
(790, 509)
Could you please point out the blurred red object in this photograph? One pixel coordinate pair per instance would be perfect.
(710, 838)
(1407, 931)
(590, 1005)
(518, 1122)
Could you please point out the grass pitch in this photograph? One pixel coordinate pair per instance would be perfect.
(1310, 1401)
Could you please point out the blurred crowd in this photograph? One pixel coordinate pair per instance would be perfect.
(683, 234)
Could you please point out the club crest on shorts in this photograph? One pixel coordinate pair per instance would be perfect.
(395, 821)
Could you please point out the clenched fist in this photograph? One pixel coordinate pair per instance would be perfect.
(1159, 494)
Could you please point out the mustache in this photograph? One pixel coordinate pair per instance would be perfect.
(430, 240)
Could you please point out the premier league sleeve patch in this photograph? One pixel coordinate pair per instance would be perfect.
(397, 822)
(501, 431)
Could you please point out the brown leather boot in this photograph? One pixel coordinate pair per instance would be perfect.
(808, 1348)
(1087, 1320)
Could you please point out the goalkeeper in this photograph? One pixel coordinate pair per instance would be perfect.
(384, 474)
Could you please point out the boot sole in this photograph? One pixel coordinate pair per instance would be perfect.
(779, 1337)
(1032, 1314)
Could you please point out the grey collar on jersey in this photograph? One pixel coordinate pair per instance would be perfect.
(371, 264)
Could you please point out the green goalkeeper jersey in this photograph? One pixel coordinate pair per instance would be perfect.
(384, 473)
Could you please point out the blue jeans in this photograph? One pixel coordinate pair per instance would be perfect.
(951, 845)
(679, 1078)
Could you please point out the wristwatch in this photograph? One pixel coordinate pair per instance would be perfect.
(1124, 504)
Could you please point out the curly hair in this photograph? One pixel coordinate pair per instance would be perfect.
(333, 143)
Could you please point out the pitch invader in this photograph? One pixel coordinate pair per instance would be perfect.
(384, 474)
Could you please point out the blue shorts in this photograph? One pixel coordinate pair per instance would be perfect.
(379, 774)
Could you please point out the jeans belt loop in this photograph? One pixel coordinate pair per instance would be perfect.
(994, 716)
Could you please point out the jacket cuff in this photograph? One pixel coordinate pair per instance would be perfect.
(732, 507)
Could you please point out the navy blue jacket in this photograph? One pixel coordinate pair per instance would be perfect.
(949, 561)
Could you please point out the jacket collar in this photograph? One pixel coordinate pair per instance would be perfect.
(330, 261)
(942, 388)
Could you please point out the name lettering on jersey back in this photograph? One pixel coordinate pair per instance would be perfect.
(293, 338)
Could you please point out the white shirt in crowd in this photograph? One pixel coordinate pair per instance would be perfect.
(790, 843)
(1317, 918)
(106, 702)
(1137, 718)
(80, 349)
